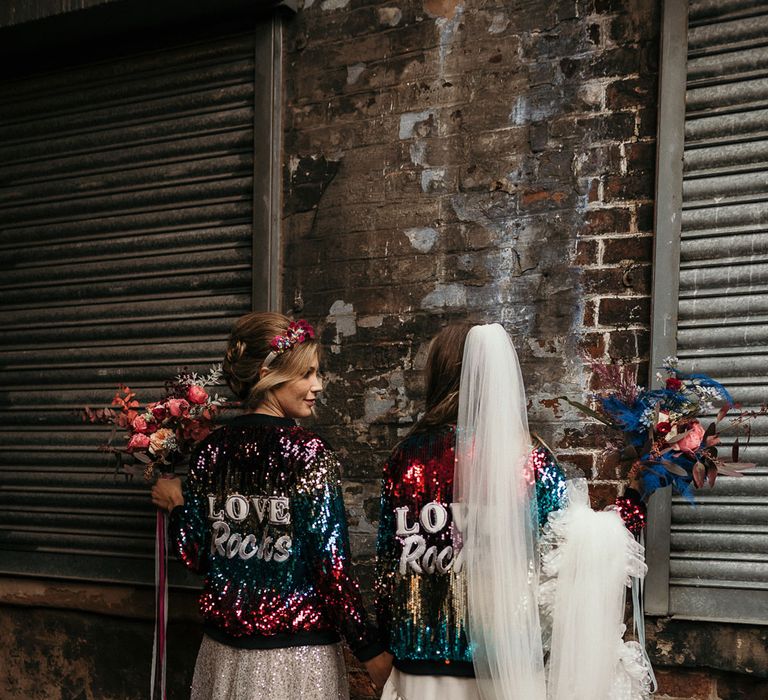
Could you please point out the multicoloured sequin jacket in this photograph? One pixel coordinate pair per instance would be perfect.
(421, 593)
(263, 519)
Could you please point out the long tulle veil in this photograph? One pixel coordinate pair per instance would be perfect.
(496, 497)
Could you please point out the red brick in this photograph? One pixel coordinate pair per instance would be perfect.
(599, 161)
(628, 346)
(581, 461)
(535, 200)
(613, 220)
(640, 156)
(644, 218)
(624, 311)
(604, 281)
(629, 187)
(603, 494)
(608, 465)
(589, 317)
(586, 252)
(647, 120)
(635, 249)
(591, 435)
(593, 345)
(683, 683)
(734, 686)
(629, 92)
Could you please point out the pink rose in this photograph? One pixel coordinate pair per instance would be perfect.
(139, 425)
(692, 441)
(196, 394)
(138, 442)
(178, 407)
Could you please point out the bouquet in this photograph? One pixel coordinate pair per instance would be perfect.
(663, 436)
(162, 435)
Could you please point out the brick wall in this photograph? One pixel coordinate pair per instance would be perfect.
(489, 160)
(455, 159)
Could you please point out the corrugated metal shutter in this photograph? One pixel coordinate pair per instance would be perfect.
(126, 193)
(719, 549)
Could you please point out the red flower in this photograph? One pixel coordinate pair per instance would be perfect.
(663, 428)
(138, 442)
(195, 431)
(196, 394)
(178, 407)
(139, 425)
(159, 412)
(674, 384)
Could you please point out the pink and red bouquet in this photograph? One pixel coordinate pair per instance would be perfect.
(163, 433)
(663, 437)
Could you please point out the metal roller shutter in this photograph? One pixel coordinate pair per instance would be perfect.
(126, 210)
(718, 562)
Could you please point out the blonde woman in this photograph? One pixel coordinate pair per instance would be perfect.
(261, 516)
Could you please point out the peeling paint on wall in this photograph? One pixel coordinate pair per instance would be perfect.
(410, 120)
(432, 178)
(423, 239)
(354, 72)
(498, 24)
(343, 316)
(390, 16)
(334, 4)
(445, 295)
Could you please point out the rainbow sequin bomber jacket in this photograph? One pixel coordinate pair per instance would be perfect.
(264, 521)
(420, 585)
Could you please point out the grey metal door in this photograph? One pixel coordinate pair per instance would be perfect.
(126, 231)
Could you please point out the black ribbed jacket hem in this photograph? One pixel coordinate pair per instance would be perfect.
(446, 667)
(273, 641)
(299, 639)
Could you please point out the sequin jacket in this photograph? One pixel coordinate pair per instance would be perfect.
(421, 594)
(264, 521)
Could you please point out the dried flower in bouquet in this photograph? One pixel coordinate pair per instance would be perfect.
(162, 434)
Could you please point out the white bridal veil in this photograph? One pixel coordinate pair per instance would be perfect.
(589, 556)
(499, 535)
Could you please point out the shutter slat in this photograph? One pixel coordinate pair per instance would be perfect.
(126, 251)
(719, 548)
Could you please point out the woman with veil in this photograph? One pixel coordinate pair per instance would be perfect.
(464, 501)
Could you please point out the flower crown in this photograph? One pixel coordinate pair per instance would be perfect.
(298, 332)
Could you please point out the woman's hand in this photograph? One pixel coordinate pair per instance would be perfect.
(166, 493)
(379, 668)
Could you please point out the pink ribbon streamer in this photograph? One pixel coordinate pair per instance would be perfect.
(161, 606)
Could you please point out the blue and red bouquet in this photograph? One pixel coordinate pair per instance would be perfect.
(663, 437)
(161, 435)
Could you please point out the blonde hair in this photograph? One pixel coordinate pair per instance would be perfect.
(248, 346)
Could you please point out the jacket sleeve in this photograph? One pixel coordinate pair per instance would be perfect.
(188, 527)
(386, 557)
(324, 522)
(550, 483)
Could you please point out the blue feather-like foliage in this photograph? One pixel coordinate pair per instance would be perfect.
(657, 476)
(704, 380)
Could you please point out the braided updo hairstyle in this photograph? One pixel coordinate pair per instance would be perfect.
(248, 346)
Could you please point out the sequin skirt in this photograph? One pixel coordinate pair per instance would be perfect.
(289, 673)
(407, 686)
